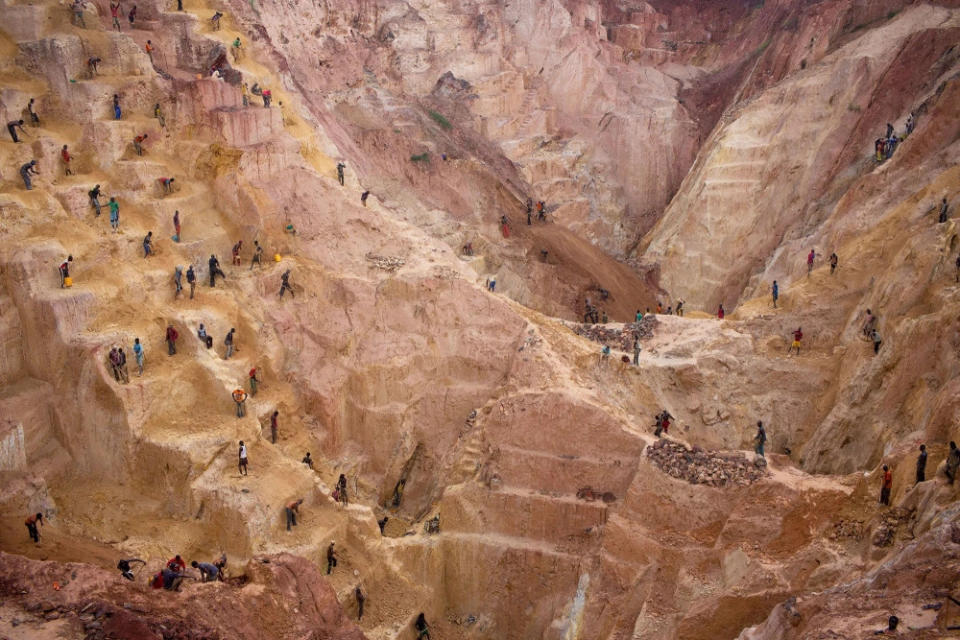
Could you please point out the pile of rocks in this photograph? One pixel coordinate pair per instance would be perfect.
(847, 530)
(698, 466)
(890, 521)
(617, 338)
(387, 263)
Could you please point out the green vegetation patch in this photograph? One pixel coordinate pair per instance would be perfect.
(440, 120)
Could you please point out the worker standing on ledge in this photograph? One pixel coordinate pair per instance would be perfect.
(760, 438)
(171, 338)
(922, 464)
(215, 270)
(361, 598)
(228, 341)
(886, 486)
(331, 558)
(285, 284)
(242, 464)
(797, 337)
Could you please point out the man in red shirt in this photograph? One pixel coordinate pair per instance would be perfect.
(887, 486)
(797, 337)
(115, 14)
(176, 563)
(65, 155)
(253, 381)
(171, 339)
(810, 257)
(65, 271)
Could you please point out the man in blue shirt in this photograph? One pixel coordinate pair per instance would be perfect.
(208, 572)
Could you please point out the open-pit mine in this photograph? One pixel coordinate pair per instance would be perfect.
(479, 319)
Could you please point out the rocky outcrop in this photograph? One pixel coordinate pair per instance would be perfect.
(280, 596)
(914, 585)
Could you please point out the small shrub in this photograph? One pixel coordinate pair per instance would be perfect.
(440, 120)
(420, 157)
(853, 107)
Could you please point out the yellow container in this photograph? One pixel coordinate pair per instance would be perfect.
(276, 257)
(68, 282)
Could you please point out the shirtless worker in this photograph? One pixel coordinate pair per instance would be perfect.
(12, 127)
(31, 523)
(292, 510)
